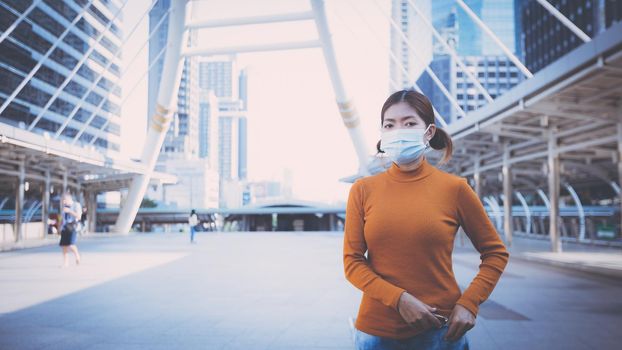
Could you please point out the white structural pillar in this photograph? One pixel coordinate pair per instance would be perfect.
(346, 107)
(45, 205)
(553, 174)
(508, 228)
(19, 201)
(477, 177)
(160, 121)
(91, 210)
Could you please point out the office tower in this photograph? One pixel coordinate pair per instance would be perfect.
(411, 45)
(492, 69)
(544, 38)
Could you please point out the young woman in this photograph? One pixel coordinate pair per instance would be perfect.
(68, 233)
(406, 220)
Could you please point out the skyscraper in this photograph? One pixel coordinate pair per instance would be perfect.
(544, 38)
(208, 127)
(222, 79)
(411, 45)
(482, 57)
(230, 87)
(74, 94)
(182, 139)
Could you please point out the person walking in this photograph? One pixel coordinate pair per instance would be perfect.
(405, 219)
(193, 221)
(71, 212)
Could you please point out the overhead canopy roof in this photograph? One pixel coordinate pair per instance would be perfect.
(577, 99)
(87, 165)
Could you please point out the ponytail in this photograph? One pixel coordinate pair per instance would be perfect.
(442, 140)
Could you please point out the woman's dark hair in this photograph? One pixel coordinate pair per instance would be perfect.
(423, 107)
(192, 212)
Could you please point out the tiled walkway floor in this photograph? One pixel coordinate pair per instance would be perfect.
(265, 291)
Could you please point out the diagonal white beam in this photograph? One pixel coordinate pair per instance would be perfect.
(451, 52)
(565, 21)
(439, 84)
(395, 60)
(127, 96)
(172, 69)
(19, 19)
(229, 22)
(347, 109)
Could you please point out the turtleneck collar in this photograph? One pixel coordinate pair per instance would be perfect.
(422, 171)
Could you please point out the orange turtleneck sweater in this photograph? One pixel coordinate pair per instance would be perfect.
(407, 222)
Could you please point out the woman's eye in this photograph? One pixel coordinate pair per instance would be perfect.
(388, 126)
(410, 124)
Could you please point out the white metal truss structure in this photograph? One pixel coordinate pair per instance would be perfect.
(179, 25)
(561, 127)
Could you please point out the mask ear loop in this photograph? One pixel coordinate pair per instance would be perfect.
(427, 142)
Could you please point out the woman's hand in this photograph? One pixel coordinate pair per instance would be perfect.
(416, 312)
(460, 321)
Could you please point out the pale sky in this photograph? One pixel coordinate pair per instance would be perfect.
(293, 121)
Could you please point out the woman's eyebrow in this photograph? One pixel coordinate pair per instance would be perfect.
(404, 118)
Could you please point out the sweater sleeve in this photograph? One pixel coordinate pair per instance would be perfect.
(357, 268)
(493, 253)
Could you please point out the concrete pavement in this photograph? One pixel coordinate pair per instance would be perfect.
(265, 291)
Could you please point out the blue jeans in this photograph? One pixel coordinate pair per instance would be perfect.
(192, 232)
(429, 340)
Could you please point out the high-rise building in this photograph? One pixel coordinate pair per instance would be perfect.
(74, 93)
(182, 138)
(230, 87)
(220, 77)
(208, 127)
(482, 57)
(243, 88)
(544, 38)
(221, 80)
(497, 14)
(411, 45)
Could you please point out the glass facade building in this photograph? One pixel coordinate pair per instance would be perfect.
(60, 69)
(482, 57)
(544, 38)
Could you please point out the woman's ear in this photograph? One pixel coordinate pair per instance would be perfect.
(431, 132)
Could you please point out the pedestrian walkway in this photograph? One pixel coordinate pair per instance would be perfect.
(265, 291)
(603, 260)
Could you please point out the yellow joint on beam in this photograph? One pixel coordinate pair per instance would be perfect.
(157, 127)
(348, 114)
(161, 118)
(344, 105)
(352, 124)
(162, 110)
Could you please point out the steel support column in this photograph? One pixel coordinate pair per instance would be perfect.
(90, 200)
(508, 228)
(477, 177)
(553, 175)
(45, 206)
(19, 201)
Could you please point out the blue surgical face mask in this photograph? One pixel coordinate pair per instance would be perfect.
(404, 146)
